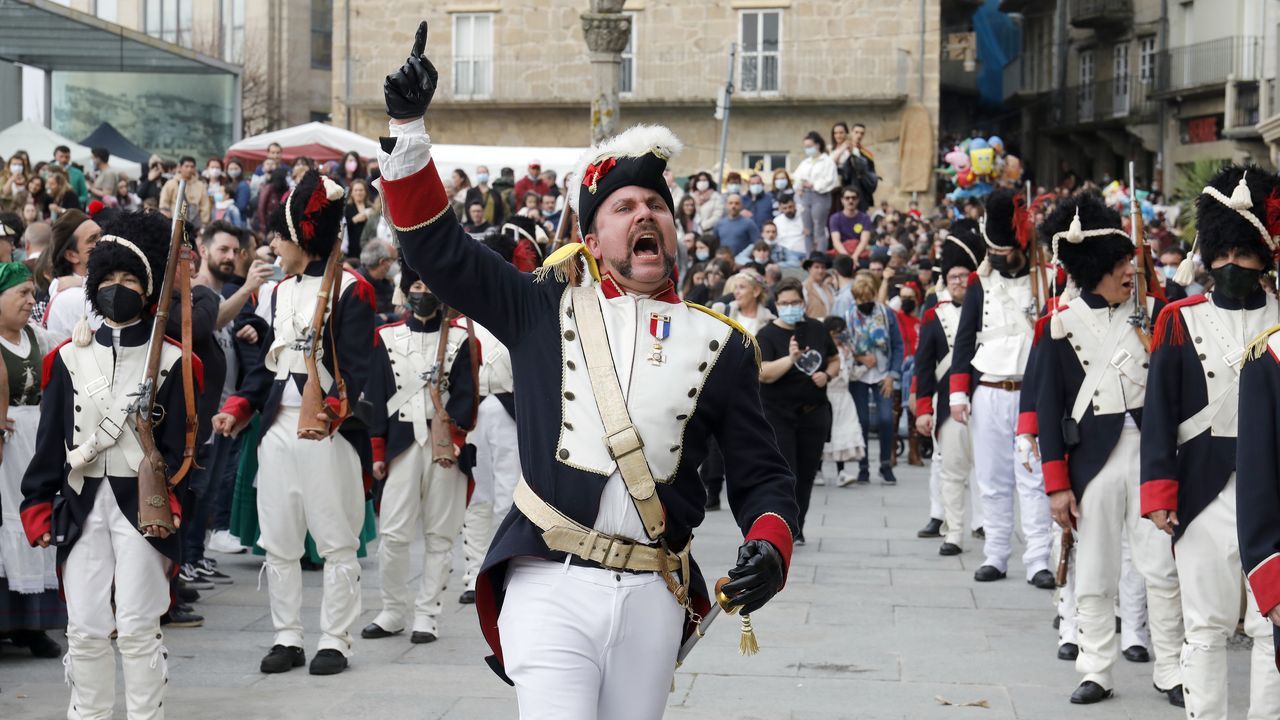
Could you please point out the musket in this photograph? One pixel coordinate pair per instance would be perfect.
(1141, 321)
(310, 426)
(153, 482)
(1064, 557)
(564, 229)
(1039, 293)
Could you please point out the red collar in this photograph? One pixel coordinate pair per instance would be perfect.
(612, 289)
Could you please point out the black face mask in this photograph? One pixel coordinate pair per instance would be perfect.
(909, 306)
(119, 304)
(1000, 263)
(1235, 281)
(423, 304)
(866, 307)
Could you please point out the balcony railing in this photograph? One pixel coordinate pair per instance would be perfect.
(791, 72)
(1129, 99)
(1101, 14)
(1209, 63)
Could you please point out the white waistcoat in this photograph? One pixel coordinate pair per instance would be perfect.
(494, 376)
(413, 362)
(1220, 337)
(660, 398)
(949, 319)
(1124, 380)
(103, 381)
(295, 305)
(1006, 326)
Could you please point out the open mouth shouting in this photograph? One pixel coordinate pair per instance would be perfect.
(646, 243)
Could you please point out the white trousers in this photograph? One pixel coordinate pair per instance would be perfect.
(496, 472)
(1132, 604)
(418, 492)
(952, 470)
(1109, 511)
(310, 486)
(585, 643)
(992, 424)
(112, 561)
(1208, 558)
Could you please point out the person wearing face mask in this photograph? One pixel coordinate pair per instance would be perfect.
(710, 202)
(1170, 258)
(877, 345)
(989, 359)
(1091, 373)
(93, 474)
(13, 183)
(490, 200)
(907, 315)
(308, 475)
(532, 182)
(1192, 464)
(239, 188)
(421, 486)
(757, 203)
(798, 359)
(351, 169)
(781, 185)
(815, 178)
(962, 250)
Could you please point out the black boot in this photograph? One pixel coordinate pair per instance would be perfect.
(1089, 693)
(328, 662)
(283, 658)
(932, 529)
(1068, 651)
(886, 475)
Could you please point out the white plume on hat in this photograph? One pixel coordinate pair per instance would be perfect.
(634, 142)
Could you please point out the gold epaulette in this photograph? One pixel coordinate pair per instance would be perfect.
(563, 264)
(748, 340)
(1258, 346)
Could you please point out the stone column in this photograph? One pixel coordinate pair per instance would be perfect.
(607, 31)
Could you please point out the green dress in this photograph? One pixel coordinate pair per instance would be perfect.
(244, 508)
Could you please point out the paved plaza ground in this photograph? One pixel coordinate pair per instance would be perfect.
(873, 625)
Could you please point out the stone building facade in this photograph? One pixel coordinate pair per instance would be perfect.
(517, 73)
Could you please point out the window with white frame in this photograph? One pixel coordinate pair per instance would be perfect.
(1147, 59)
(764, 161)
(169, 20)
(233, 30)
(627, 69)
(472, 55)
(759, 43)
(1085, 70)
(1120, 79)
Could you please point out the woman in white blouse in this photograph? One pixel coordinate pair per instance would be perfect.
(815, 177)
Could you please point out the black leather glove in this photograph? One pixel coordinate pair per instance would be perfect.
(408, 90)
(757, 577)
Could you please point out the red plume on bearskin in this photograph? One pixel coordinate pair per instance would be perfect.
(1272, 218)
(1022, 225)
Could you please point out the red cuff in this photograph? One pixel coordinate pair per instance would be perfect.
(924, 406)
(774, 529)
(37, 520)
(1158, 495)
(379, 449)
(239, 408)
(335, 407)
(1027, 424)
(1055, 476)
(960, 383)
(175, 506)
(1265, 581)
(415, 201)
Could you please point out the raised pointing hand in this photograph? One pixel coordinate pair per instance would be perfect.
(408, 91)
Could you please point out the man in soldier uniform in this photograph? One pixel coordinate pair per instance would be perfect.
(115, 577)
(1189, 437)
(962, 250)
(587, 587)
(309, 480)
(1092, 375)
(988, 361)
(413, 450)
(497, 463)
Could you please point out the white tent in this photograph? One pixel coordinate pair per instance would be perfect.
(39, 142)
(322, 142)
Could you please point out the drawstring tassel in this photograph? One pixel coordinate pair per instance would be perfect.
(1186, 273)
(747, 643)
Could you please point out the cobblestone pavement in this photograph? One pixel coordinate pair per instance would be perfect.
(873, 624)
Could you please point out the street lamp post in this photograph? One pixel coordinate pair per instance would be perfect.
(607, 31)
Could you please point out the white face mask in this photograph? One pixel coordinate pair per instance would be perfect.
(15, 168)
(213, 173)
(811, 150)
(703, 185)
(756, 189)
(234, 173)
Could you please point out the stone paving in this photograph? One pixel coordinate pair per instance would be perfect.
(873, 625)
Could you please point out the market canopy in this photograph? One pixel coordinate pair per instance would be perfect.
(319, 141)
(106, 135)
(39, 142)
